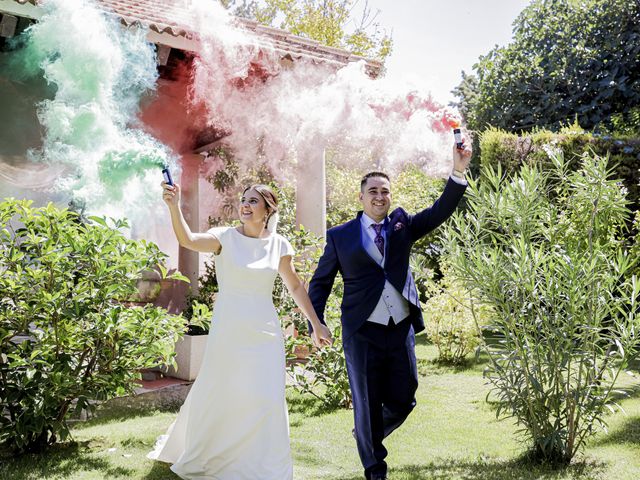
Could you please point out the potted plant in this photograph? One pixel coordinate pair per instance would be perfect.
(197, 314)
(190, 347)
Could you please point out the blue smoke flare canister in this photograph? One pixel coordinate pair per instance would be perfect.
(167, 176)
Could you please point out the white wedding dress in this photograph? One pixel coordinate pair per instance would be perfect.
(234, 424)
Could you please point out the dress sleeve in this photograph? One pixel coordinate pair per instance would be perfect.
(219, 233)
(285, 247)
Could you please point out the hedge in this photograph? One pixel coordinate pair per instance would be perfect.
(511, 151)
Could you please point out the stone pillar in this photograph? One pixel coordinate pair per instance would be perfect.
(188, 260)
(311, 197)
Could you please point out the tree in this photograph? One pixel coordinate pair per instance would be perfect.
(239, 9)
(331, 22)
(568, 60)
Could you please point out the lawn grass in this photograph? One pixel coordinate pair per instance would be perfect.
(452, 434)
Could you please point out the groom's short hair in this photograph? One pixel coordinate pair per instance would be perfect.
(369, 175)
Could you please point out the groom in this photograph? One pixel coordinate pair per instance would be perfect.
(380, 308)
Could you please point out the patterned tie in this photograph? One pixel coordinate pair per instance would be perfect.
(379, 240)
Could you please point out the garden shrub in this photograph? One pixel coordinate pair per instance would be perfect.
(343, 185)
(200, 320)
(635, 247)
(512, 151)
(67, 334)
(308, 248)
(627, 124)
(324, 374)
(450, 323)
(207, 291)
(545, 250)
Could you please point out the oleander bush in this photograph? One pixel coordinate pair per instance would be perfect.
(68, 335)
(545, 249)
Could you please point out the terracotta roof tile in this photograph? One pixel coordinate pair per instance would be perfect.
(173, 18)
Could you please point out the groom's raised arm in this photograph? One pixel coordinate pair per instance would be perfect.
(430, 218)
(322, 280)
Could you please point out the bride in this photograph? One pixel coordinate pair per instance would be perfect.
(233, 424)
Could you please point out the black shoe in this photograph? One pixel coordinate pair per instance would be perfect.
(379, 476)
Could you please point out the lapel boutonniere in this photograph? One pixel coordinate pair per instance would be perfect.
(398, 226)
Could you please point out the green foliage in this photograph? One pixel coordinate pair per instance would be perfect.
(324, 373)
(545, 250)
(567, 60)
(468, 91)
(240, 8)
(67, 335)
(200, 316)
(627, 124)
(425, 269)
(414, 190)
(207, 290)
(225, 177)
(343, 186)
(231, 179)
(635, 245)
(511, 151)
(451, 324)
(327, 21)
(411, 189)
(308, 248)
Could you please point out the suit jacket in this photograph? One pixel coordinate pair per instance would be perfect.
(363, 277)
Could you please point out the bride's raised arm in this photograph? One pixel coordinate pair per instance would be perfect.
(199, 242)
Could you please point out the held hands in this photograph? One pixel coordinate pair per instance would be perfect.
(321, 336)
(461, 157)
(171, 194)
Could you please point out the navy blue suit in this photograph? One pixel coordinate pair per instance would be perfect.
(380, 359)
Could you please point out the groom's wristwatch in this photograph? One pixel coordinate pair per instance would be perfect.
(458, 173)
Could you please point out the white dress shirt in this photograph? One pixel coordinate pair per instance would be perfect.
(391, 303)
(461, 181)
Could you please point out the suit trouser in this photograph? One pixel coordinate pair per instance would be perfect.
(383, 376)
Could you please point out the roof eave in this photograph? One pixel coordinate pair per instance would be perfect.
(182, 38)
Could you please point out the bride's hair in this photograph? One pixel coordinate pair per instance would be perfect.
(271, 200)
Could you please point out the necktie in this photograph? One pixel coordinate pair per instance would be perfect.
(379, 240)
